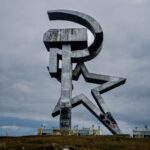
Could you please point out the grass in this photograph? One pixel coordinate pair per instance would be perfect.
(73, 142)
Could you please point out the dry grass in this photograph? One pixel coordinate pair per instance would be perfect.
(74, 142)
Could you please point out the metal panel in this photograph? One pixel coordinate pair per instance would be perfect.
(56, 37)
(88, 22)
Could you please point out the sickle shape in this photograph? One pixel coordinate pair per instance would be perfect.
(89, 23)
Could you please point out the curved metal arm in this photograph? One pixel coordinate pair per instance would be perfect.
(88, 22)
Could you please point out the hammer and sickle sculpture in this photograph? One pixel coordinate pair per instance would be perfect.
(70, 46)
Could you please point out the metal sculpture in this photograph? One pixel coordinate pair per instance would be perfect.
(70, 46)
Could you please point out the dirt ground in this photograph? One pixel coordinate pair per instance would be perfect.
(73, 143)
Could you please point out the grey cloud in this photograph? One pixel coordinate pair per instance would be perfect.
(27, 91)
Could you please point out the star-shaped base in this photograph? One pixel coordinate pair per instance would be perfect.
(106, 83)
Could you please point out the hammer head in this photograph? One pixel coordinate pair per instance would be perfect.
(76, 37)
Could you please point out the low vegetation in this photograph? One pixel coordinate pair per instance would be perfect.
(73, 143)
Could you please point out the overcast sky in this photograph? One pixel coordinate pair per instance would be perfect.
(28, 94)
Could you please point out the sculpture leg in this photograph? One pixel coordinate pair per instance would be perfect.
(104, 118)
(66, 90)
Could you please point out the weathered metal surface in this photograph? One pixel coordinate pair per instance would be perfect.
(66, 88)
(66, 75)
(70, 45)
(87, 21)
(106, 83)
(56, 37)
(105, 118)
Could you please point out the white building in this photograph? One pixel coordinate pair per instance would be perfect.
(87, 131)
(75, 131)
(141, 133)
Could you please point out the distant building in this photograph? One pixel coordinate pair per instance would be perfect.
(44, 131)
(39, 131)
(87, 131)
(75, 131)
(56, 132)
(141, 133)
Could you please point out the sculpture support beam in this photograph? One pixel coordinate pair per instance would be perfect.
(66, 88)
(62, 43)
